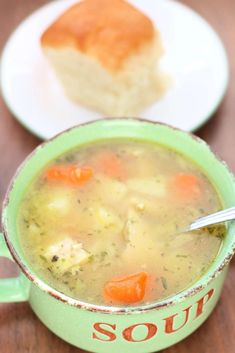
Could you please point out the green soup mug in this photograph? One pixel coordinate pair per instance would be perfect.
(111, 329)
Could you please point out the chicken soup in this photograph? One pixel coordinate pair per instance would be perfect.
(103, 223)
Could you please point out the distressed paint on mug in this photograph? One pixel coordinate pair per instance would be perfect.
(101, 328)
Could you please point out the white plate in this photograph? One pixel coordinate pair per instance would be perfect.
(195, 58)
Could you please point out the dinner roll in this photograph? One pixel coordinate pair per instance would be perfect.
(106, 55)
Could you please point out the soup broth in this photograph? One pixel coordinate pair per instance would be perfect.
(103, 223)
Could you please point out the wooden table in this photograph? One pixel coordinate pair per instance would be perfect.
(20, 330)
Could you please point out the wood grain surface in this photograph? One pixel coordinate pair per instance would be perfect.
(20, 330)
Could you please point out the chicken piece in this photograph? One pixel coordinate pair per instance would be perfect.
(140, 239)
(66, 254)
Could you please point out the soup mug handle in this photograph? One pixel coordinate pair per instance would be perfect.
(12, 289)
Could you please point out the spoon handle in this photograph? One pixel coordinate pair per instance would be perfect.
(218, 217)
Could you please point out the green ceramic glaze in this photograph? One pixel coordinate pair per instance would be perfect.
(98, 328)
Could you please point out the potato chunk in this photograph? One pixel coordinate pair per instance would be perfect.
(110, 190)
(149, 186)
(60, 201)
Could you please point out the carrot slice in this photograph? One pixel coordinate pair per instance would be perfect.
(109, 164)
(186, 185)
(127, 290)
(69, 174)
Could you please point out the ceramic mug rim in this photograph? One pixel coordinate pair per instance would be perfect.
(169, 301)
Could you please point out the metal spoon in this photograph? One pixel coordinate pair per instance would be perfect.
(214, 218)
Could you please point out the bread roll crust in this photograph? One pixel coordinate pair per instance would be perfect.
(108, 30)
